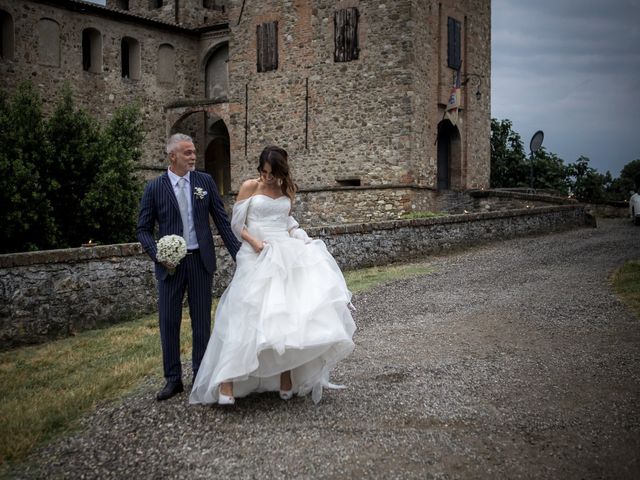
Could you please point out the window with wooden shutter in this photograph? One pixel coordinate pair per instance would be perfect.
(346, 35)
(267, 42)
(454, 44)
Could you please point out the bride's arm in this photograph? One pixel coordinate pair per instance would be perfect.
(255, 243)
(293, 227)
(248, 189)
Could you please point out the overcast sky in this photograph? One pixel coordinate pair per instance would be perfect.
(572, 69)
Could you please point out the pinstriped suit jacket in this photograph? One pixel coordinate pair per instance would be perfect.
(159, 205)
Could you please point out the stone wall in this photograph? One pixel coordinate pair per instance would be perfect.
(491, 200)
(609, 210)
(365, 245)
(52, 294)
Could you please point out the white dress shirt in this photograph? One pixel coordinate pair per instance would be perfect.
(192, 240)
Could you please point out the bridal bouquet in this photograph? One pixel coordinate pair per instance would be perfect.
(171, 249)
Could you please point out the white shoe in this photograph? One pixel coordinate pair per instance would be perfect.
(286, 394)
(225, 399)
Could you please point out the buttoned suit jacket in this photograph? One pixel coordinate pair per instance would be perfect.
(160, 206)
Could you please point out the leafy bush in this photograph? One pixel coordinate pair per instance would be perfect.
(65, 179)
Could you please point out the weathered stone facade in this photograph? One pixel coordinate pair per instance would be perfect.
(46, 295)
(374, 122)
(104, 89)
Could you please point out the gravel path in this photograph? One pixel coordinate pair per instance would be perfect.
(513, 360)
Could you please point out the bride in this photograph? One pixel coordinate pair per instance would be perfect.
(284, 321)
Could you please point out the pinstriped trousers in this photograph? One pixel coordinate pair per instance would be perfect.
(192, 277)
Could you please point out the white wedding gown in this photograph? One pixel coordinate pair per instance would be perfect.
(286, 308)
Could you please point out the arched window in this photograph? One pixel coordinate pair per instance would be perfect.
(130, 58)
(91, 50)
(166, 64)
(48, 42)
(217, 73)
(6, 36)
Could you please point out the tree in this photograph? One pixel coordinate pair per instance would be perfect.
(508, 159)
(549, 172)
(510, 168)
(76, 155)
(66, 180)
(629, 181)
(26, 214)
(631, 173)
(586, 183)
(111, 205)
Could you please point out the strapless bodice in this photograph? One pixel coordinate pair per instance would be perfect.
(268, 213)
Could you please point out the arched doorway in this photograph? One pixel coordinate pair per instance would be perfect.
(449, 157)
(193, 124)
(217, 159)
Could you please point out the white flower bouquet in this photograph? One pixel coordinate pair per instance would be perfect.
(171, 249)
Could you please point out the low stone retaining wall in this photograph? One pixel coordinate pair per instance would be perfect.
(52, 294)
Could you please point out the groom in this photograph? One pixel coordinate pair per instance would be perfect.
(180, 202)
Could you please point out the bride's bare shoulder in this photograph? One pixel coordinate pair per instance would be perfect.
(247, 189)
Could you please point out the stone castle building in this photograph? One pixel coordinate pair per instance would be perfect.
(355, 90)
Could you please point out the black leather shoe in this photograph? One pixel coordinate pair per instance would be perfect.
(169, 390)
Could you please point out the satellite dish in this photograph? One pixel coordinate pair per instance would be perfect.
(536, 141)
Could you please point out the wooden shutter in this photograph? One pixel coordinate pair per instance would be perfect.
(346, 35)
(454, 44)
(267, 43)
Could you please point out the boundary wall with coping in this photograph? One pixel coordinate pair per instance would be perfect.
(53, 294)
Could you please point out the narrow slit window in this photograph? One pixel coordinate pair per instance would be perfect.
(6, 36)
(91, 50)
(130, 58)
(454, 43)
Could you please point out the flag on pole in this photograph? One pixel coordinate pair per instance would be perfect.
(453, 105)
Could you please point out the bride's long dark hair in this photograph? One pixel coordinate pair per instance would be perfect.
(278, 159)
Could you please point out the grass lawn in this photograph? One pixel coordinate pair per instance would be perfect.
(626, 283)
(47, 388)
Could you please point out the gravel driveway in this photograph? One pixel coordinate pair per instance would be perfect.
(512, 360)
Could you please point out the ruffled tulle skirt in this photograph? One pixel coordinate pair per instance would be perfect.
(285, 309)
